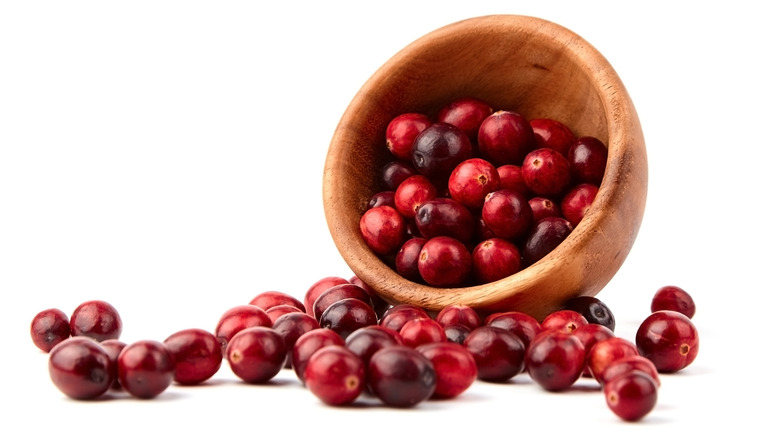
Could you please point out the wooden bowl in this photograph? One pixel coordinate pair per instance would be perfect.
(519, 63)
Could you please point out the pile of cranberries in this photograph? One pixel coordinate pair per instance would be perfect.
(473, 195)
(344, 342)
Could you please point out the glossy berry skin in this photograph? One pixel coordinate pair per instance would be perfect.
(588, 160)
(366, 341)
(673, 298)
(379, 303)
(546, 172)
(347, 315)
(385, 197)
(395, 317)
(669, 339)
(238, 318)
(555, 359)
(48, 328)
(336, 293)
(457, 333)
(544, 207)
(422, 331)
(412, 192)
(551, 133)
(439, 149)
(505, 137)
(593, 309)
(197, 354)
(458, 314)
(80, 368)
(577, 201)
(291, 327)
(544, 237)
(113, 347)
(276, 311)
(383, 229)
(256, 354)
(444, 217)
(507, 214)
(631, 396)
(467, 113)
(145, 368)
(589, 334)
(523, 325)
(456, 369)
(472, 180)
(394, 173)
(563, 320)
(630, 363)
(401, 376)
(511, 178)
(494, 259)
(96, 319)
(407, 257)
(499, 354)
(606, 351)
(401, 132)
(335, 375)
(317, 288)
(307, 344)
(444, 262)
(271, 298)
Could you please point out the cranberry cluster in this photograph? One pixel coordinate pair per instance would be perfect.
(473, 195)
(343, 342)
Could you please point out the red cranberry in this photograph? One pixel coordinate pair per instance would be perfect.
(113, 347)
(544, 207)
(606, 351)
(401, 132)
(238, 318)
(407, 257)
(383, 229)
(455, 367)
(276, 311)
(472, 180)
(271, 298)
(347, 315)
(145, 368)
(499, 353)
(505, 137)
(563, 320)
(457, 333)
(444, 262)
(555, 359)
(395, 317)
(385, 197)
(673, 298)
(511, 178)
(335, 375)
(507, 214)
(422, 331)
(444, 217)
(589, 334)
(494, 259)
(366, 341)
(290, 327)
(551, 133)
(458, 314)
(318, 288)
(521, 324)
(438, 149)
(593, 309)
(96, 319)
(336, 293)
(630, 363)
(379, 303)
(544, 237)
(546, 172)
(401, 376)
(577, 201)
(308, 343)
(48, 328)
(394, 173)
(411, 193)
(631, 396)
(197, 355)
(669, 339)
(80, 368)
(588, 159)
(467, 113)
(256, 354)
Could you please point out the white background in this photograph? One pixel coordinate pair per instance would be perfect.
(167, 157)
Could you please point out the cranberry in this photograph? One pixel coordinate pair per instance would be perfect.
(669, 339)
(411, 193)
(48, 328)
(145, 368)
(336, 293)
(394, 173)
(458, 314)
(577, 201)
(401, 376)
(521, 324)
(335, 375)
(472, 180)
(80, 368)
(494, 259)
(455, 367)
(290, 327)
(256, 354)
(505, 137)
(606, 351)
(318, 288)
(438, 149)
(555, 359)
(444, 262)
(379, 303)
(588, 160)
(593, 309)
(385, 197)
(401, 132)
(113, 347)
(347, 315)
(564, 320)
(544, 237)
(507, 214)
(673, 298)
(197, 354)
(238, 318)
(276, 311)
(366, 341)
(499, 353)
(631, 396)
(422, 331)
(96, 319)
(308, 343)
(467, 113)
(511, 178)
(544, 207)
(546, 172)
(444, 217)
(383, 229)
(551, 133)
(630, 363)
(395, 317)
(589, 334)
(456, 333)
(271, 298)
(407, 257)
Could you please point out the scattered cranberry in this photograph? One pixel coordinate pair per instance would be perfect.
(438, 149)
(401, 132)
(673, 298)
(458, 314)
(494, 259)
(631, 396)
(550, 133)
(523, 325)
(276, 311)
(507, 214)
(472, 180)
(290, 327)
(238, 318)
(444, 262)
(336, 293)
(546, 172)
(422, 331)
(563, 320)
(467, 113)
(395, 317)
(630, 363)
(113, 347)
(505, 137)
(588, 159)
(266, 300)
(455, 368)
(606, 351)
(669, 339)
(145, 368)
(335, 375)
(256, 354)
(81, 368)
(401, 376)
(308, 343)
(593, 309)
(499, 353)
(457, 333)
(555, 359)
(320, 286)
(197, 354)
(96, 319)
(366, 341)
(576, 203)
(48, 328)
(347, 315)
(444, 217)
(589, 334)
(379, 303)
(545, 236)
(383, 229)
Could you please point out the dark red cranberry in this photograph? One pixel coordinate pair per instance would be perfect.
(145, 368)
(238, 318)
(401, 376)
(458, 314)
(422, 331)
(256, 354)
(308, 343)
(395, 317)
(80, 368)
(551, 133)
(606, 351)
(271, 298)
(631, 396)
(456, 333)
(444, 262)
(320, 286)
(523, 325)
(669, 339)
(589, 334)
(438, 149)
(394, 173)
(507, 214)
(336, 293)
(577, 201)
(347, 315)
(472, 180)
(546, 172)
(407, 257)
(113, 347)
(563, 320)
(673, 298)
(544, 207)
(401, 132)
(411, 193)
(335, 375)
(385, 197)
(48, 328)
(499, 353)
(511, 178)
(483, 232)
(630, 363)
(544, 237)
(456, 369)
(379, 303)
(383, 229)
(494, 259)
(555, 359)
(96, 319)
(276, 311)
(197, 354)
(593, 309)
(588, 160)
(366, 341)
(505, 137)
(467, 113)
(290, 327)
(444, 217)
